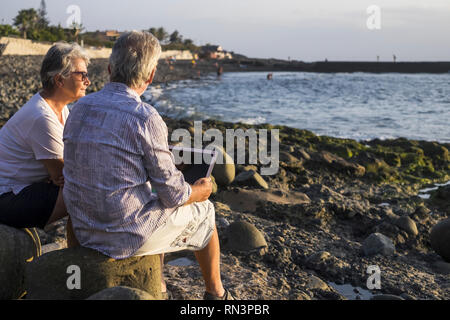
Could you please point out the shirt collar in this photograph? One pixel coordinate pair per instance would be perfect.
(122, 88)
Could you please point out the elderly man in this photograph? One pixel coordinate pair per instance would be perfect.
(115, 150)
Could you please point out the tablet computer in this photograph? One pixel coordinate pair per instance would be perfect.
(194, 163)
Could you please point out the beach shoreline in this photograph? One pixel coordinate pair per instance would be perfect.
(327, 198)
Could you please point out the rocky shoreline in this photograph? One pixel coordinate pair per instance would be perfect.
(335, 208)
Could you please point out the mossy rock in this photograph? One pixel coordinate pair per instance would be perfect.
(17, 249)
(243, 236)
(78, 273)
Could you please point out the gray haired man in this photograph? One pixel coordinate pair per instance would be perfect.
(115, 150)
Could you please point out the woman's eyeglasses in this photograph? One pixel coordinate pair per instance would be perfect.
(84, 75)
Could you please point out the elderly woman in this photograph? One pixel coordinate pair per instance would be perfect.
(31, 145)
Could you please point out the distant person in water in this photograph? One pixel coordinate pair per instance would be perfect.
(31, 142)
(269, 76)
(219, 71)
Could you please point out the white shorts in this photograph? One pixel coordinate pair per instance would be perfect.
(187, 228)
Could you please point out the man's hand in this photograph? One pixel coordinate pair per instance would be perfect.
(201, 190)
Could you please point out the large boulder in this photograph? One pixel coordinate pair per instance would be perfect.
(378, 243)
(224, 170)
(440, 239)
(17, 248)
(243, 236)
(78, 273)
(121, 293)
(252, 179)
(244, 200)
(407, 224)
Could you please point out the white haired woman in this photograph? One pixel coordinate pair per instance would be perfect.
(31, 145)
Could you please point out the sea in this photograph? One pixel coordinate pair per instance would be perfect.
(360, 106)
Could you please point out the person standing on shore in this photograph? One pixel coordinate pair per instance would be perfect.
(31, 145)
(115, 150)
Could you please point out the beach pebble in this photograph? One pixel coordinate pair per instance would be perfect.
(244, 236)
(440, 239)
(56, 275)
(316, 283)
(407, 224)
(318, 257)
(378, 243)
(16, 248)
(251, 178)
(289, 159)
(121, 293)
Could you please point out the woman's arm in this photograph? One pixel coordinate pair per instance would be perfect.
(55, 169)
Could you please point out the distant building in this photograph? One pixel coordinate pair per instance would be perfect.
(112, 35)
(214, 52)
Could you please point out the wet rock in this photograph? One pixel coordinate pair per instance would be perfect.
(290, 160)
(422, 213)
(243, 236)
(121, 293)
(339, 164)
(55, 275)
(251, 178)
(407, 224)
(17, 248)
(442, 267)
(440, 239)
(441, 198)
(378, 243)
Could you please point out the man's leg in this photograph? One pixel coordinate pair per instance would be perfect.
(209, 260)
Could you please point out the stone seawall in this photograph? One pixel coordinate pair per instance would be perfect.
(24, 47)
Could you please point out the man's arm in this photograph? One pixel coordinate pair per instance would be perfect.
(55, 169)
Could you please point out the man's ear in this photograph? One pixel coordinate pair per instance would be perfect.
(152, 76)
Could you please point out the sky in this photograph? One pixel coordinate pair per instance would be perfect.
(344, 30)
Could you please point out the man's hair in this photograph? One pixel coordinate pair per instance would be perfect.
(134, 56)
(59, 60)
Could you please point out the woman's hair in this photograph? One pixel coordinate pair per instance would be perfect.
(134, 56)
(59, 60)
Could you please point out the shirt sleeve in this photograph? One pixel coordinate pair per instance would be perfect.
(45, 138)
(172, 189)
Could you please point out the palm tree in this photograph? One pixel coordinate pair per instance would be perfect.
(76, 29)
(26, 20)
(175, 37)
(42, 16)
